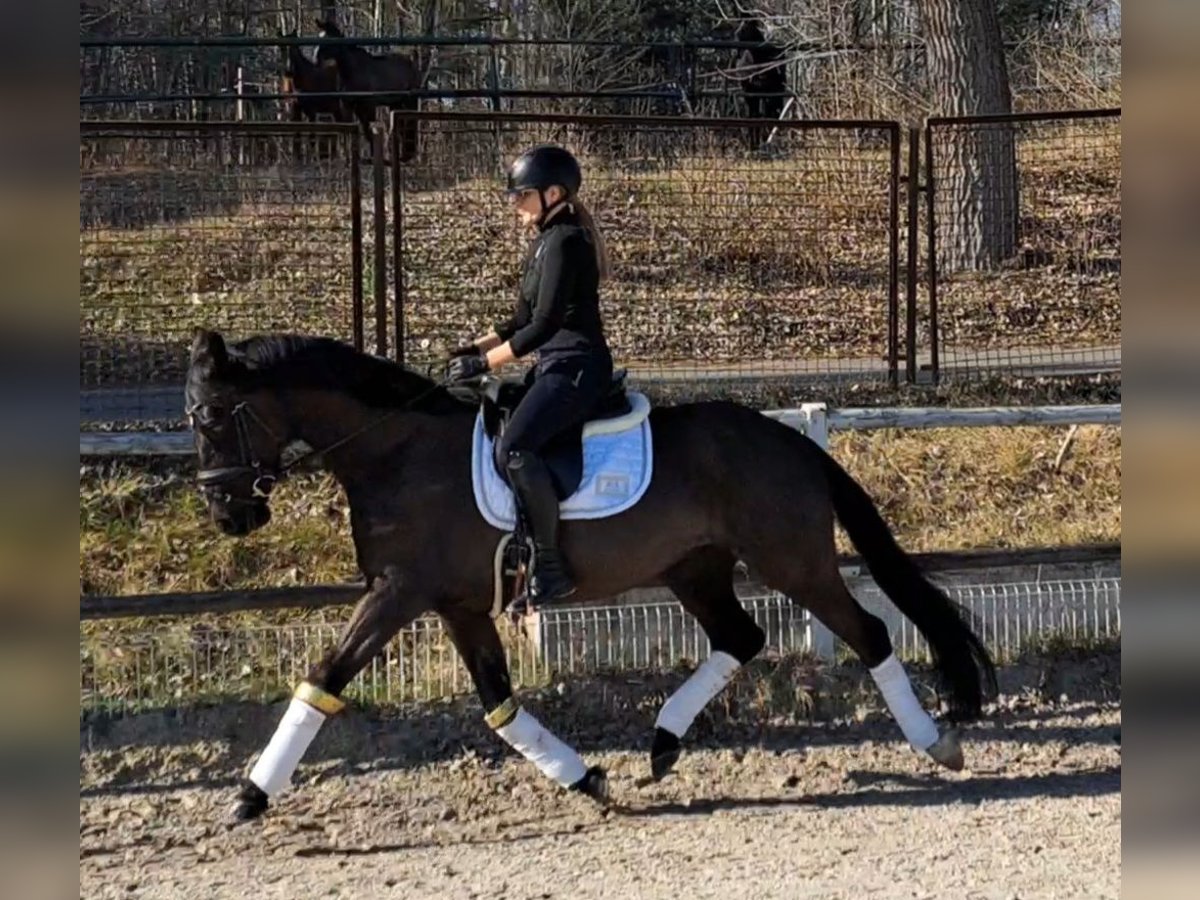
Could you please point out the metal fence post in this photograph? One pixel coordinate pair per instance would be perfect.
(816, 423)
(356, 244)
(931, 226)
(914, 250)
(893, 316)
(397, 173)
(379, 284)
(821, 640)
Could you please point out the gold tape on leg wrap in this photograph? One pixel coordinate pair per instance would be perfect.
(318, 699)
(502, 714)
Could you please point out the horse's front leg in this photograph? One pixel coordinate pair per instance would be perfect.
(389, 605)
(478, 643)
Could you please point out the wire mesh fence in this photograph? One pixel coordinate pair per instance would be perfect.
(164, 663)
(729, 263)
(1011, 617)
(654, 635)
(750, 264)
(1025, 243)
(233, 227)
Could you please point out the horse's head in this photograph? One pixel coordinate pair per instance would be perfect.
(750, 31)
(290, 52)
(327, 28)
(239, 431)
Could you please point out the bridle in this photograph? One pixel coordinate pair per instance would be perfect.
(212, 482)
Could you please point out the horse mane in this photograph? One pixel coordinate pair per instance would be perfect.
(323, 363)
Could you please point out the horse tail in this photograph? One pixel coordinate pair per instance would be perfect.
(959, 656)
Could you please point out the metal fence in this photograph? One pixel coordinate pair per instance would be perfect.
(732, 265)
(1024, 243)
(728, 263)
(843, 75)
(171, 662)
(239, 227)
(743, 269)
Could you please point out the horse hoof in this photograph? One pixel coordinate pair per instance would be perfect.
(948, 751)
(252, 803)
(664, 753)
(594, 784)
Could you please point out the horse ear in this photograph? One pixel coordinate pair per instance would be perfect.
(209, 345)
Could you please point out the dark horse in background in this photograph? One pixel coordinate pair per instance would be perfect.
(763, 75)
(303, 77)
(381, 75)
(728, 483)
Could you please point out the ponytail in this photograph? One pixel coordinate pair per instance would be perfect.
(603, 265)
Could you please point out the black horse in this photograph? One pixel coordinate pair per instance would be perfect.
(729, 483)
(361, 71)
(762, 72)
(303, 77)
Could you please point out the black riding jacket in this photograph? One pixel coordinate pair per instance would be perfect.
(558, 310)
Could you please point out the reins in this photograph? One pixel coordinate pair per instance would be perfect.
(358, 432)
(264, 477)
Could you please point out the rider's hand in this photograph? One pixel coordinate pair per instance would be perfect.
(465, 368)
(466, 350)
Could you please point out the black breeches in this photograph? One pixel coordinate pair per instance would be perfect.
(563, 395)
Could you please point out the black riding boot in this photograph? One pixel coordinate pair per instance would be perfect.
(534, 488)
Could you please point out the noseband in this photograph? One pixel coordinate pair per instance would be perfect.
(212, 480)
(265, 477)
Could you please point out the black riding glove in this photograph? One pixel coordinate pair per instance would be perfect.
(465, 368)
(466, 350)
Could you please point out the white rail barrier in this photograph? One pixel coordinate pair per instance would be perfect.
(814, 419)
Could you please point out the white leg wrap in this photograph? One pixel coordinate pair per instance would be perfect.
(917, 725)
(299, 725)
(693, 695)
(531, 739)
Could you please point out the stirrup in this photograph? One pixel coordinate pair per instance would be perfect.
(520, 608)
(528, 601)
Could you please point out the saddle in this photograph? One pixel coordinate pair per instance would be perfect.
(563, 455)
(599, 468)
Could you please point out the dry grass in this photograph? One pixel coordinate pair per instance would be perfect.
(1064, 287)
(147, 531)
(948, 489)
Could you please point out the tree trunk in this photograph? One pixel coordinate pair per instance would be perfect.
(977, 168)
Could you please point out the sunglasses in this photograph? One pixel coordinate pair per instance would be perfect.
(516, 197)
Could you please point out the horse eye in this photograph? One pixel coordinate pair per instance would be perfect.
(215, 413)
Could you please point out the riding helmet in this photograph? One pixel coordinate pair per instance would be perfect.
(543, 166)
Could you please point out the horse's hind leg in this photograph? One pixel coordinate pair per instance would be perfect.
(475, 637)
(813, 581)
(383, 610)
(703, 582)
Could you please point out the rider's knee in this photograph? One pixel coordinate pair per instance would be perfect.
(516, 459)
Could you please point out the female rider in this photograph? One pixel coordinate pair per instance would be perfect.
(557, 318)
